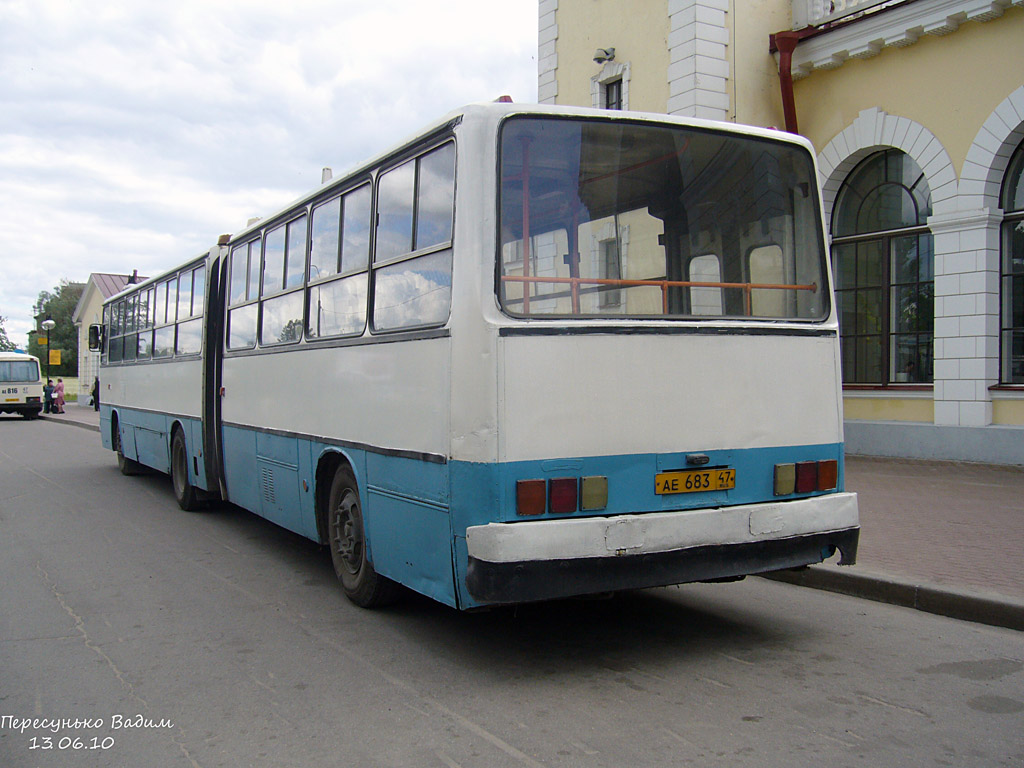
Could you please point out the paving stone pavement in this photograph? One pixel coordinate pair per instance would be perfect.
(950, 524)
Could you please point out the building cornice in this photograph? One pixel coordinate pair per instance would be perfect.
(894, 27)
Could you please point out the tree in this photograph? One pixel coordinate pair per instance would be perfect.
(59, 306)
(6, 345)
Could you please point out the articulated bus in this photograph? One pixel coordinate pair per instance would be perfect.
(531, 353)
(21, 387)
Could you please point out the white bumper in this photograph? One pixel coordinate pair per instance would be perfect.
(653, 532)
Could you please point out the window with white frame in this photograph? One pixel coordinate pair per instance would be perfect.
(1012, 272)
(609, 88)
(884, 271)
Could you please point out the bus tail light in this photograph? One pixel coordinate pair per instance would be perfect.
(593, 493)
(531, 497)
(828, 475)
(806, 477)
(785, 479)
(562, 495)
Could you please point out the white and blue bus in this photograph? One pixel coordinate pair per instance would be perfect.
(533, 352)
(21, 386)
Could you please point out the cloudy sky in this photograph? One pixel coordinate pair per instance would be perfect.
(134, 132)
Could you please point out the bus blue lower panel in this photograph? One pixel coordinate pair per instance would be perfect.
(404, 501)
(146, 438)
(417, 511)
(264, 473)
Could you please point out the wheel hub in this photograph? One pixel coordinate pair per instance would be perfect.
(348, 540)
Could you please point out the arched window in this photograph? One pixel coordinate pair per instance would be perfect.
(1012, 324)
(884, 270)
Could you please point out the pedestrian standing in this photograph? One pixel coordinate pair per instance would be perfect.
(58, 397)
(48, 396)
(96, 394)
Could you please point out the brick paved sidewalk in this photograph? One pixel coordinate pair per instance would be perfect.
(949, 524)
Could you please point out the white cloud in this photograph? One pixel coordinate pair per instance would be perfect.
(133, 133)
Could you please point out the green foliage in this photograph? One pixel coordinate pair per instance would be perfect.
(59, 306)
(6, 345)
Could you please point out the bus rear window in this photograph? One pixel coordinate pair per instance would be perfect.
(621, 219)
(19, 370)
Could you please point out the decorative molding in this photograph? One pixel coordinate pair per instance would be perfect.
(610, 72)
(873, 130)
(895, 27)
(985, 165)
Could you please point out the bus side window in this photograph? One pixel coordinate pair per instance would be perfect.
(245, 287)
(284, 270)
(339, 249)
(116, 343)
(199, 290)
(413, 259)
(163, 336)
(131, 337)
(105, 335)
(239, 274)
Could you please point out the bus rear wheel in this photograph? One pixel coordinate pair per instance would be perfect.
(185, 493)
(347, 540)
(127, 466)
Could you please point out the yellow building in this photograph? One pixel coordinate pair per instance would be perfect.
(916, 108)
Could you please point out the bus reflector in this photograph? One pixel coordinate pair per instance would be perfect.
(593, 492)
(806, 476)
(531, 497)
(562, 495)
(828, 475)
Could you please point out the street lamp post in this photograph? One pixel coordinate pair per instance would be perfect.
(48, 325)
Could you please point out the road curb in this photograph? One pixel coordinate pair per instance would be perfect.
(955, 604)
(71, 422)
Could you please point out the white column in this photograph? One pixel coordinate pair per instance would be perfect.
(547, 52)
(966, 315)
(698, 67)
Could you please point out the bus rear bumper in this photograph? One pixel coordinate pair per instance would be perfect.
(542, 560)
(31, 410)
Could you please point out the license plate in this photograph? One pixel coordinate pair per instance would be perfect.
(694, 481)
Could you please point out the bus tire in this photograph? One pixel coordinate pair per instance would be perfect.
(127, 466)
(184, 492)
(347, 540)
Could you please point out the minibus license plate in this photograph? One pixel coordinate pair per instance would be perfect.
(694, 480)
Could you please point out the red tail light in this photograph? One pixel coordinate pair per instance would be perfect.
(828, 475)
(806, 476)
(563, 495)
(531, 497)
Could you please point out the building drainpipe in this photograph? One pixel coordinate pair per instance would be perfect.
(785, 43)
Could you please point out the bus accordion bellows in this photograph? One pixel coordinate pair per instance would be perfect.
(21, 386)
(533, 352)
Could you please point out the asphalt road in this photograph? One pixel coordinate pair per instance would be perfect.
(134, 634)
